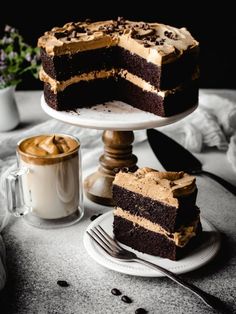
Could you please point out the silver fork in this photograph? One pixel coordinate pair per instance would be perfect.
(112, 248)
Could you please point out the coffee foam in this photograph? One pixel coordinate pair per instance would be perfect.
(48, 149)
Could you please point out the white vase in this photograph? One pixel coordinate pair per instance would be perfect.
(9, 114)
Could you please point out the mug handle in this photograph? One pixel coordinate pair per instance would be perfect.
(15, 199)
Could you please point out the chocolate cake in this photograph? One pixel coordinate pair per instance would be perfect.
(151, 66)
(156, 212)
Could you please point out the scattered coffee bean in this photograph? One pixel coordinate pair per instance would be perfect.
(92, 218)
(115, 291)
(62, 283)
(126, 299)
(140, 311)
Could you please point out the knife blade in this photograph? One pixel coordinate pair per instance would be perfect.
(175, 157)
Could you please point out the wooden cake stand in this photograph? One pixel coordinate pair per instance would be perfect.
(118, 120)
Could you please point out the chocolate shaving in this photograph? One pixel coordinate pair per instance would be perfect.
(80, 29)
(171, 35)
(120, 20)
(59, 35)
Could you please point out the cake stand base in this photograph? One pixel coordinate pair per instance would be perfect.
(117, 155)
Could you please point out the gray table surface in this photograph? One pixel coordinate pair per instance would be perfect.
(37, 258)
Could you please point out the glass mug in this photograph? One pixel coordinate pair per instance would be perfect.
(46, 188)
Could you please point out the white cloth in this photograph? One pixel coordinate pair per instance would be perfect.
(212, 124)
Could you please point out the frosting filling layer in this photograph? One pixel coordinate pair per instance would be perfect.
(58, 86)
(181, 237)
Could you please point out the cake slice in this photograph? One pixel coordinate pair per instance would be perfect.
(156, 212)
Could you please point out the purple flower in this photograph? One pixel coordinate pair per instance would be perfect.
(7, 40)
(2, 67)
(28, 57)
(8, 28)
(2, 55)
(12, 55)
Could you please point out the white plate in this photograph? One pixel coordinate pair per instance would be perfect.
(114, 115)
(198, 257)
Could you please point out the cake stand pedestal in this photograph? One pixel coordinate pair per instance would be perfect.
(118, 120)
(117, 155)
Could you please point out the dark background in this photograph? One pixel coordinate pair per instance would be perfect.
(214, 27)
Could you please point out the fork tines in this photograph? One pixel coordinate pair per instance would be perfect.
(104, 240)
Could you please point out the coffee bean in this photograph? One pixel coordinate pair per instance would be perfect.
(140, 311)
(126, 299)
(115, 291)
(92, 218)
(62, 283)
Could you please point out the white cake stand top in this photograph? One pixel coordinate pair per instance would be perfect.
(114, 115)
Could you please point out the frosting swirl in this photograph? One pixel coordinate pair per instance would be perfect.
(162, 186)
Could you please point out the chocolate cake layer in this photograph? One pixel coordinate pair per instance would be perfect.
(173, 103)
(168, 76)
(150, 242)
(168, 217)
(90, 93)
(65, 66)
(96, 91)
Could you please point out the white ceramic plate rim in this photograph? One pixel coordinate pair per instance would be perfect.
(113, 119)
(198, 258)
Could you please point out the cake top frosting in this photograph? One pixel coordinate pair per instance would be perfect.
(158, 43)
(165, 187)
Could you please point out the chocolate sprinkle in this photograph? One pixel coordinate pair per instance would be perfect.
(115, 291)
(126, 299)
(62, 283)
(140, 311)
(92, 218)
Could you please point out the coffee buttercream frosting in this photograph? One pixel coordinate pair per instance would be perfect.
(165, 187)
(158, 43)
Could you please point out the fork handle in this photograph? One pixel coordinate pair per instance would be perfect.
(208, 299)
